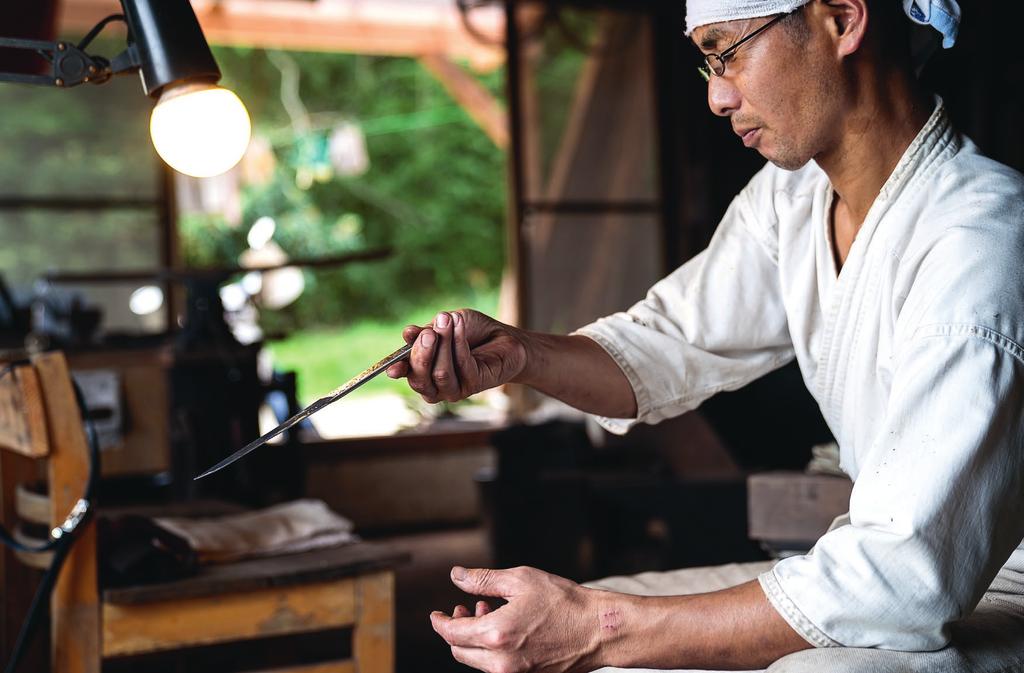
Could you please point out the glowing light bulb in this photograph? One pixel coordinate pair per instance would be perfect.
(200, 129)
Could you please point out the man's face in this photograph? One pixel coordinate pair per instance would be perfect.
(780, 90)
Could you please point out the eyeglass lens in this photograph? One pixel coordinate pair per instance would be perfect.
(715, 64)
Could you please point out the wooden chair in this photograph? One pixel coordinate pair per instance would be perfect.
(348, 588)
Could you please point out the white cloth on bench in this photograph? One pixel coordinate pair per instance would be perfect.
(289, 528)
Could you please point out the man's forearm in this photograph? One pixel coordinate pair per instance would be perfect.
(577, 371)
(732, 629)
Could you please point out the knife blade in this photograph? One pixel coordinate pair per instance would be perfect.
(335, 395)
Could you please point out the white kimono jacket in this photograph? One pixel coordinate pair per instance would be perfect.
(915, 354)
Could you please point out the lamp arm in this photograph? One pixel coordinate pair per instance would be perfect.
(70, 65)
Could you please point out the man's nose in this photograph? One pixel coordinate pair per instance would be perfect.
(723, 96)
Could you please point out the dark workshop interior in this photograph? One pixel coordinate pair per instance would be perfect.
(542, 161)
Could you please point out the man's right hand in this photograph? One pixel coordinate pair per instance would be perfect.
(460, 354)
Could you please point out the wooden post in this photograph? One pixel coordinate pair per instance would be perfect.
(374, 633)
(474, 98)
(75, 609)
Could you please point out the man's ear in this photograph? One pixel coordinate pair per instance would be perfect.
(847, 24)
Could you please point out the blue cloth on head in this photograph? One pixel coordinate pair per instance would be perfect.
(942, 15)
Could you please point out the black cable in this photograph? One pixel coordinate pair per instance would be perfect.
(39, 603)
(62, 537)
(98, 28)
(102, 71)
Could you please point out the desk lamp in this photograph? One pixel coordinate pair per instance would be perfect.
(197, 127)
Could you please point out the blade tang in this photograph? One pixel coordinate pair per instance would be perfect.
(367, 374)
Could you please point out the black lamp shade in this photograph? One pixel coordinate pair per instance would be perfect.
(170, 44)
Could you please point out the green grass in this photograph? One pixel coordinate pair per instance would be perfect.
(325, 357)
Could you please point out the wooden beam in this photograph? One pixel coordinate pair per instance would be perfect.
(478, 102)
(380, 27)
(155, 627)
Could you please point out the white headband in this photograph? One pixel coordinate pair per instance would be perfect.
(942, 15)
(704, 12)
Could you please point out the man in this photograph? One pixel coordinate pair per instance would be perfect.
(881, 251)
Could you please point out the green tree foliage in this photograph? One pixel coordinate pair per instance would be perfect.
(435, 190)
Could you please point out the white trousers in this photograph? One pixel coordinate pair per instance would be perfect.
(991, 640)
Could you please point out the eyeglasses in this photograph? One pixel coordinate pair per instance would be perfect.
(714, 64)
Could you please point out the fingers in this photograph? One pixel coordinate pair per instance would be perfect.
(486, 582)
(445, 379)
(482, 608)
(464, 362)
(411, 332)
(461, 631)
(421, 364)
(442, 365)
(401, 369)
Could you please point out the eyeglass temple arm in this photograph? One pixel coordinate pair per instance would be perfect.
(731, 50)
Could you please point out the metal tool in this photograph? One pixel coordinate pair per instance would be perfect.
(334, 396)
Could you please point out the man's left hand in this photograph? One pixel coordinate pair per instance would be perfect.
(548, 624)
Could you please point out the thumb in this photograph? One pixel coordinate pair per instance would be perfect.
(485, 582)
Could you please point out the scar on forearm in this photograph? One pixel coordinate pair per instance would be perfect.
(611, 620)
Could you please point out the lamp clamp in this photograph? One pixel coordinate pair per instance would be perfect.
(70, 64)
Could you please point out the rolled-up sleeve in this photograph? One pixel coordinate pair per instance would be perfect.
(937, 508)
(716, 323)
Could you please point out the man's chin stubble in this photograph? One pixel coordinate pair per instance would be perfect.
(788, 164)
(787, 159)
